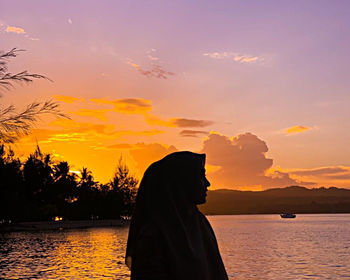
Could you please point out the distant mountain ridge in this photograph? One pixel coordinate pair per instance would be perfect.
(293, 199)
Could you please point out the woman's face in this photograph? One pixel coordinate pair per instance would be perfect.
(200, 187)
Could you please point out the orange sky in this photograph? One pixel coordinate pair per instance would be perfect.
(262, 95)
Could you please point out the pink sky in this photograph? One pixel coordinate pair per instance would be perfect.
(261, 86)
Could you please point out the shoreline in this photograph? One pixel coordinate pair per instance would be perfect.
(62, 225)
(84, 224)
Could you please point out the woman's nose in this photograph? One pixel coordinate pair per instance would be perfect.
(207, 183)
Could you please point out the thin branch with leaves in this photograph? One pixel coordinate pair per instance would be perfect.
(14, 124)
(7, 79)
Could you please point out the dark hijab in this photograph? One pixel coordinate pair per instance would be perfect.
(166, 209)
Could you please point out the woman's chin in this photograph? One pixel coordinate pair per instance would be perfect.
(201, 200)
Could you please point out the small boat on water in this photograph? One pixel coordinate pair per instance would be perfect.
(288, 215)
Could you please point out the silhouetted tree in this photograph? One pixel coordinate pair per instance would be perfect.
(14, 124)
(38, 184)
(40, 189)
(11, 182)
(87, 195)
(123, 188)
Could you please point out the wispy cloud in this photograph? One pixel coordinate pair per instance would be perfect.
(296, 129)
(126, 105)
(15, 29)
(154, 68)
(193, 133)
(131, 106)
(180, 122)
(177, 122)
(326, 171)
(151, 54)
(96, 113)
(63, 130)
(70, 21)
(324, 176)
(237, 57)
(67, 98)
(10, 29)
(156, 71)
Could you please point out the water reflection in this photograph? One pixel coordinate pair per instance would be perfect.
(81, 254)
(265, 247)
(253, 247)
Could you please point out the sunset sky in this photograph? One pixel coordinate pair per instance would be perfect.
(261, 87)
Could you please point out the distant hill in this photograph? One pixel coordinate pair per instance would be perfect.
(292, 199)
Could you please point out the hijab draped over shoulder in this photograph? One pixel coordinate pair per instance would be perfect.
(169, 238)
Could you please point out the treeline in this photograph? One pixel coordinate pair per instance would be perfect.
(294, 199)
(39, 189)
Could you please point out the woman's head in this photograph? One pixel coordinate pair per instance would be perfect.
(186, 170)
(180, 175)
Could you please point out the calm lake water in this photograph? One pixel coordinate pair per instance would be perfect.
(252, 247)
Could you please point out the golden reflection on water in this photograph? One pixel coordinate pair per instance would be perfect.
(94, 253)
(72, 254)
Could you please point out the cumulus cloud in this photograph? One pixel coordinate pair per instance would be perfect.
(237, 57)
(145, 154)
(242, 162)
(14, 29)
(193, 133)
(296, 129)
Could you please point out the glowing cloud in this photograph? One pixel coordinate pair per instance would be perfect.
(193, 133)
(242, 58)
(145, 154)
(127, 105)
(242, 162)
(190, 123)
(296, 129)
(14, 29)
(177, 122)
(72, 131)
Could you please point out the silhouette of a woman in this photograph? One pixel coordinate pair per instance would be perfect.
(169, 238)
